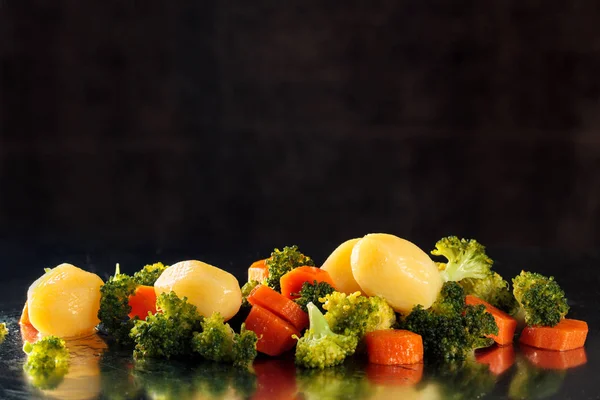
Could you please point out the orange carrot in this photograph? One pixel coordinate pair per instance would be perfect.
(569, 334)
(395, 375)
(394, 346)
(498, 358)
(275, 379)
(279, 305)
(292, 281)
(142, 302)
(25, 315)
(28, 332)
(275, 334)
(506, 323)
(550, 359)
(258, 271)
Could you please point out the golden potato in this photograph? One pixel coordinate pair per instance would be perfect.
(339, 268)
(209, 288)
(395, 269)
(64, 301)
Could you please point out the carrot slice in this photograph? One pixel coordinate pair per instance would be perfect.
(395, 375)
(569, 334)
(258, 271)
(279, 305)
(28, 333)
(550, 359)
(142, 302)
(25, 315)
(394, 346)
(274, 334)
(275, 379)
(506, 323)
(292, 281)
(498, 358)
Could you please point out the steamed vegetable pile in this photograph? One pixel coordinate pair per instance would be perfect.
(379, 295)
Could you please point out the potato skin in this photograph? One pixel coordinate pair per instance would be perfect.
(395, 269)
(339, 268)
(64, 302)
(209, 288)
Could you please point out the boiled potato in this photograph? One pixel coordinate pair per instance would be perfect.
(339, 268)
(209, 288)
(64, 301)
(395, 269)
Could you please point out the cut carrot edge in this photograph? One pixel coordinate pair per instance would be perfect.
(278, 304)
(275, 335)
(506, 324)
(394, 347)
(551, 359)
(291, 282)
(568, 334)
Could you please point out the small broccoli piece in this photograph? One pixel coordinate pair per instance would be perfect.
(356, 315)
(246, 290)
(47, 361)
(168, 333)
(3, 331)
(531, 382)
(282, 262)
(312, 293)
(466, 259)
(149, 274)
(335, 383)
(218, 342)
(450, 332)
(320, 347)
(541, 298)
(114, 306)
(492, 289)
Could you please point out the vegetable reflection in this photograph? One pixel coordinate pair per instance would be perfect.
(340, 382)
(531, 382)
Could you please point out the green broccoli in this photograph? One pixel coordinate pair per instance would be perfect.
(149, 274)
(168, 333)
(492, 289)
(531, 382)
(356, 315)
(541, 298)
(466, 259)
(340, 382)
(282, 262)
(320, 347)
(449, 331)
(218, 342)
(246, 290)
(3, 331)
(312, 293)
(469, 265)
(114, 306)
(47, 361)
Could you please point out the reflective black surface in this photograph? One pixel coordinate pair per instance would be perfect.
(97, 372)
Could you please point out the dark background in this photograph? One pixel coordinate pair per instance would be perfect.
(231, 127)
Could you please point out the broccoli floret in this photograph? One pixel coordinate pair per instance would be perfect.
(492, 289)
(312, 293)
(335, 383)
(47, 361)
(167, 333)
(149, 274)
(246, 290)
(320, 347)
(450, 332)
(466, 259)
(3, 331)
(114, 306)
(356, 315)
(282, 262)
(218, 342)
(541, 298)
(531, 382)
